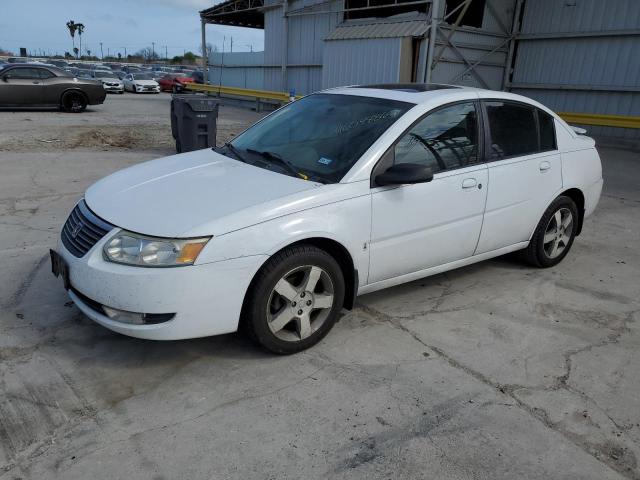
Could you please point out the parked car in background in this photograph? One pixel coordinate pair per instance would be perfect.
(27, 85)
(197, 76)
(341, 193)
(110, 81)
(59, 63)
(138, 82)
(131, 69)
(174, 82)
(73, 71)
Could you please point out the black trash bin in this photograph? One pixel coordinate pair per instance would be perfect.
(193, 121)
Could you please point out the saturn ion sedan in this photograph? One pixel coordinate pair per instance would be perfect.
(341, 193)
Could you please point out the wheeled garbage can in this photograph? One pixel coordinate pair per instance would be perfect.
(193, 121)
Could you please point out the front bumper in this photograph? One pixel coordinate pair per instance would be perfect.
(206, 299)
(146, 89)
(114, 88)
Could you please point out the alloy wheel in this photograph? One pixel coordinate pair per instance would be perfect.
(300, 303)
(558, 233)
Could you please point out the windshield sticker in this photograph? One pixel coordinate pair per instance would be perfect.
(325, 161)
(371, 119)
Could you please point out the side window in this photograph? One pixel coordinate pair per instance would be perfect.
(44, 74)
(24, 73)
(444, 139)
(513, 129)
(547, 131)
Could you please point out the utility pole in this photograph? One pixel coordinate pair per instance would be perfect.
(153, 50)
(166, 55)
(125, 52)
(101, 52)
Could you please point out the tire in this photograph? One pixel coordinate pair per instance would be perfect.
(73, 102)
(174, 89)
(294, 300)
(550, 244)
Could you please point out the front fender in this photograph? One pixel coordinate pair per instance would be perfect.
(346, 222)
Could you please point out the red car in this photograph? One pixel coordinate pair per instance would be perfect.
(174, 82)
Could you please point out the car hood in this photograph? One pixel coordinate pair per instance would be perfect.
(175, 195)
(146, 82)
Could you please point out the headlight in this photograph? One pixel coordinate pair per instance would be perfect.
(133, 249)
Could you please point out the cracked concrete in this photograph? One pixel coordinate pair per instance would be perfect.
(494, 371)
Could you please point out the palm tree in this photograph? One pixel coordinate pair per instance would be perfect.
(80, 28)
(71, 25)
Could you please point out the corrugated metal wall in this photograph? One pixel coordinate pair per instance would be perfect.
(588, 74)
(237, 69)
(476, 45)
(349, 62)
(305, 45)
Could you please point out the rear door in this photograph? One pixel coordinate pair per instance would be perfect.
(21, 86)
(525, 171)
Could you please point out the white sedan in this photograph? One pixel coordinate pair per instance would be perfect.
(140, 83)
(339, 194)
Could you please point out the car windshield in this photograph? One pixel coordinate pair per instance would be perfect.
(142, 76)
(319, 136)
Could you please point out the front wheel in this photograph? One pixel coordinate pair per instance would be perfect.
(295, 299)
(554, 234)
(74, 102)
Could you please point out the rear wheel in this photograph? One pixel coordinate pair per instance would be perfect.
(554, 234)
(74, 102)
(295, 299)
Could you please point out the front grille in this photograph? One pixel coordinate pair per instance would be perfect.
(83, 229)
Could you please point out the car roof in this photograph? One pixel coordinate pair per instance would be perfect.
(418, 93)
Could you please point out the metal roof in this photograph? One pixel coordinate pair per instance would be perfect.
(383, 28)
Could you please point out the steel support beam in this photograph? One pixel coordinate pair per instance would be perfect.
(285, 42)
(578, 88)
(435, 12)
(464, 60)
(568, 35)
(205, 59)
(515, 28)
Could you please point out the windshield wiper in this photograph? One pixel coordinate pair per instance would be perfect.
(275, 158)
(235, 151)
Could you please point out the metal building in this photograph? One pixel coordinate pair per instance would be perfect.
(580, 57)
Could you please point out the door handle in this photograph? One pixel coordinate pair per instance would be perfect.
(469, 183)
(544, 166)
(36, 83)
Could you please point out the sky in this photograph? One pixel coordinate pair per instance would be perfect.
(134, 24)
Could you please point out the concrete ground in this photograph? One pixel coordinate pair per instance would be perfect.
(495, 371)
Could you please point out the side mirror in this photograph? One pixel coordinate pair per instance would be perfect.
(405, 173)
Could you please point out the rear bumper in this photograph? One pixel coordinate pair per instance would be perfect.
(592, 197)
(206, 299)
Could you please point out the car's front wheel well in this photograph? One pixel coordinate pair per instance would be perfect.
(341, 255)
(577, 196)
(72, 92)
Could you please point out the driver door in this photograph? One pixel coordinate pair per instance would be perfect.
(418, 226)
(21, 86)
